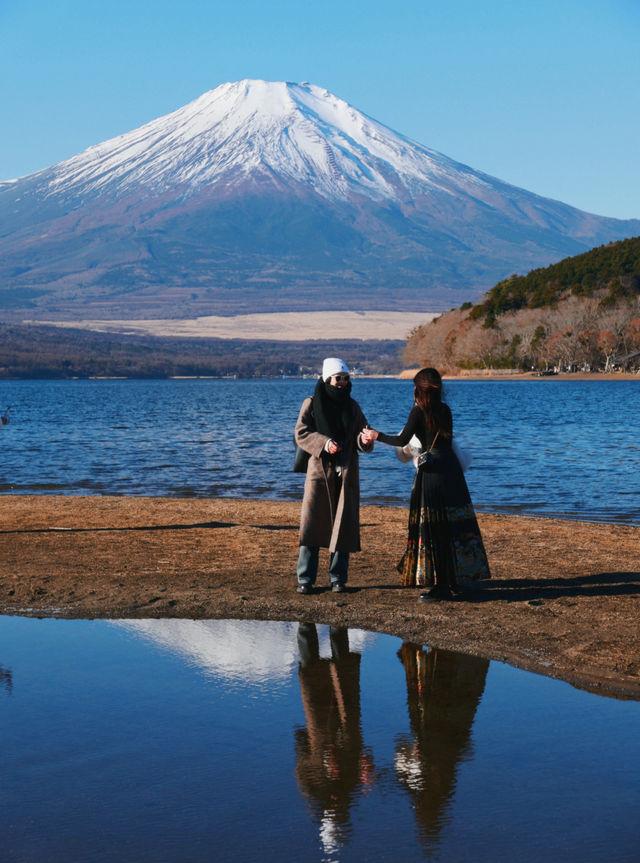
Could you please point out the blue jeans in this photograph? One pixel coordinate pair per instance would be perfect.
(308, 565)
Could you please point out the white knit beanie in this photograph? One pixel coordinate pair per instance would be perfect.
(334, 366)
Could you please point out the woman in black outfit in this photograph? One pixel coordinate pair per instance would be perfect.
(444, 547)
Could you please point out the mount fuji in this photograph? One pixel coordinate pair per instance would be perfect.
(263, 196)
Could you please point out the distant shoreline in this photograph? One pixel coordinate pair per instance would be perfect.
(532, 376)
(406, 374)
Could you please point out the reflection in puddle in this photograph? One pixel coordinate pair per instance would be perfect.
(443, 693)
(195, 741)
(256, 651)
(5, 679)
(332, 764)
(334, 767)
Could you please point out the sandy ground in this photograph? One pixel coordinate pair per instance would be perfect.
(564, 600)
(285, 326)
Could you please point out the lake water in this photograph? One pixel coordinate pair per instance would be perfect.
(539, 447)
(171, 740)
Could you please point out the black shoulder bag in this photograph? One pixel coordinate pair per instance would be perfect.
(301, 457)
(425, 458)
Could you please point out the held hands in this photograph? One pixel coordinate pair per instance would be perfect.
(368, 436)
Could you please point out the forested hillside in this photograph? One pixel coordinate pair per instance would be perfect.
(583, 312)
(52, 352)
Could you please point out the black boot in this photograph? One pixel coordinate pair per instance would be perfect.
(436, 594)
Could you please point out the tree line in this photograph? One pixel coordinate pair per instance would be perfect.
(38, 351)
(611, 271)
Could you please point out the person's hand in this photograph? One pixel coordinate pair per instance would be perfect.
(332, 447)
(367, 436)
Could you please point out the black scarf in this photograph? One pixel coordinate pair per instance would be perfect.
(333, 411)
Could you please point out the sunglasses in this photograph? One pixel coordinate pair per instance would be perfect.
(339, 378)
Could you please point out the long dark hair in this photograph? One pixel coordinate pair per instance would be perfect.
(428, 395)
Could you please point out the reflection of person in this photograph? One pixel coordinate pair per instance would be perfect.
(444, 546)
(328, 428)
(6, 679)
(443, 693)
(331, 762)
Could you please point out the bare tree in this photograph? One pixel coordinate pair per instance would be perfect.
(577, 331)
(608, 344)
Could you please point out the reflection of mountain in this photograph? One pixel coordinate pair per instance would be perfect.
(443, 693)
(332, 764)
(247, 650)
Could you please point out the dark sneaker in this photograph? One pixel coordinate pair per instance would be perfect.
(338, 587)
(303, 588)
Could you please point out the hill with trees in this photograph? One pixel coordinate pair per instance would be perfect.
(53, 352)
(583, 312)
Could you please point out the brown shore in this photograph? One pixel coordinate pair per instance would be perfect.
(507, 375)
(564, 600)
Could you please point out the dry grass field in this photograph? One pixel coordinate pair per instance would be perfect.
(285, 326)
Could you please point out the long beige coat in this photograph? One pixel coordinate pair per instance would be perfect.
(330, 515)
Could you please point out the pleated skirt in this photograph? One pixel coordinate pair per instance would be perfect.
(444, 543)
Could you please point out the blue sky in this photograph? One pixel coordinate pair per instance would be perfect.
(545, 95)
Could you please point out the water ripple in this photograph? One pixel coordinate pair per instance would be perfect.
(541, 447)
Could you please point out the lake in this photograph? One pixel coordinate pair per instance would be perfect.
(178, 740)
(539, 447)
(174, 740)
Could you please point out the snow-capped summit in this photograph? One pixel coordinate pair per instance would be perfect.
(270, 196)
(260, 129)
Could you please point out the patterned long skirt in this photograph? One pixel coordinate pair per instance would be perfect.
(444, 544)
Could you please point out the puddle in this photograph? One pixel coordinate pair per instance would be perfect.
(176, 740)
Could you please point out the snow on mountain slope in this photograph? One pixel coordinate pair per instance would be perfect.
(298, 132)
(269, 196)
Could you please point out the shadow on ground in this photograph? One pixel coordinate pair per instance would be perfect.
(530, 590)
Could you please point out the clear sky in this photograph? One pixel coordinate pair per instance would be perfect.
(542, 93)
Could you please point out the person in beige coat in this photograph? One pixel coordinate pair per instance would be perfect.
(328, 428)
